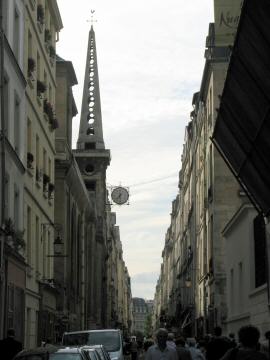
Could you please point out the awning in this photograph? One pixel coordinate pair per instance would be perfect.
(242, 131)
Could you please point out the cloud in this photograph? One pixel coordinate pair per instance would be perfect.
(150, 59)
(143, 284)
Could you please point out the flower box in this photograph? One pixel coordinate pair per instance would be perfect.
(40, 14)
(48, 110)
(41, 87)
(31, 66)
(30, 159)
(51, 52)
(54, 124)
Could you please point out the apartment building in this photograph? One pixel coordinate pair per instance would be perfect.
(13, 167)
(194, 301)
(41, 27)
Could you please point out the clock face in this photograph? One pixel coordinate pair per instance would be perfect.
(120, 195)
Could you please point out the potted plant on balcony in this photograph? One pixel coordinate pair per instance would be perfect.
(31, 66)
(52, 52)
(46, 180)
(50, 190)
(30, 159)
(47, 36)
(14, 237)
(48, 110)
(38, 174)
(54, 124)
(40, 14)
(41, 88)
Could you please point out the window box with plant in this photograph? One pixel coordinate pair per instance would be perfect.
(52, 54)
(30, 160)
(47, 36)
(14, 237)
(40, 17)
(50, 190)
(46, 180)
(31, 68)
(48, 110)
(41, 88)
(54, 124)
(38, 176)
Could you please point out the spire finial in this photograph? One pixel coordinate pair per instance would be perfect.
(92, 20)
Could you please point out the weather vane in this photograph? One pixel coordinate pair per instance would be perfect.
(92, 20)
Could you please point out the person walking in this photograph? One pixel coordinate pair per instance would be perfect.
(9, 347)
(249, 343)
(134, 349)
(195, 353)
(170, 341)
(160, 350)
(218, 345)
(182, 352)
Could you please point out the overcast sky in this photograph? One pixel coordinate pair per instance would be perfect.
(150, 62)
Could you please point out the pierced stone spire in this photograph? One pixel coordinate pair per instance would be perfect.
(91, 134)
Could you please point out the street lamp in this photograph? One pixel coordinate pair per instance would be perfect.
(188, 282)
(58, 242)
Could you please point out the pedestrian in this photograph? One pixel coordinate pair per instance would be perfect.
(195, 353)
(265, 344)
(170, 341)
(160, 350)
(148, 342)
(248, 348)
(182, 352)
(9, 347)
(134, 349)
(232, 339)
(218, 345)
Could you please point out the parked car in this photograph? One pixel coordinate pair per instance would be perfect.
(52, 353)
(111, 339)
(101, 351)
(92, 353)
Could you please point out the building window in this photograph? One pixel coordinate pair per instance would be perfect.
(29, 237)
(45, 162)
(29, 136)
(16, 34)
(16, 123)
(6, 106)
(38, 66)
(7, 195)
(37, 153)
(37, 250)
(90, 146)
(240, 286)
(16, 207)
(30, 45)
(232, 292)
(259, 251)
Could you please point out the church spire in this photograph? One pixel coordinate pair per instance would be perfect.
(91, 134)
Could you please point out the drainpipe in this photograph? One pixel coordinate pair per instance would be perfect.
(3, 168)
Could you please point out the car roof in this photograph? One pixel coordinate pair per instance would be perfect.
(49, 349)
(89, 331)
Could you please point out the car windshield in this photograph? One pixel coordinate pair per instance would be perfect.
(65, 356)
(75, 339)
(109, 339)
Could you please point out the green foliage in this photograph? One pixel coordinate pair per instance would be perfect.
(148, 330)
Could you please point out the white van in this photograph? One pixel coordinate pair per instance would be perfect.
(111, 339)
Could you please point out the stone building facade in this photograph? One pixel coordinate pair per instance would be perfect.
(13, 166)
(54, 208)
(191, 291)
(41, 26)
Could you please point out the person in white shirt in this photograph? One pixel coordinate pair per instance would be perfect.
(170, 341)
(160, 350)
